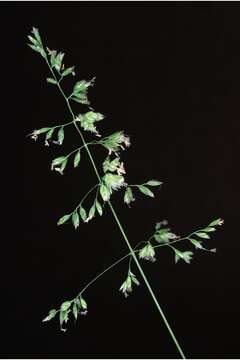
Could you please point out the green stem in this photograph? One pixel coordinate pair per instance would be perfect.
(62, 125)
(124, 257)
(96, 195)
(119, 224)
(85, 196)
(79, 148)
(97, 185)
(134, 249)
(103, 272)
(172, 242)
(147, 284)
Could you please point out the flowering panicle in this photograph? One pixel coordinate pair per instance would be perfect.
(112, 179)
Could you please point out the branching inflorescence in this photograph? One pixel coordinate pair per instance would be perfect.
(111, 180)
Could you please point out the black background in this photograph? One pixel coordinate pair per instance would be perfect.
(168, 74)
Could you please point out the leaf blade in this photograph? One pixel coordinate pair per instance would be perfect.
(83, 213)
(77, 159)
(63, 219)
(51, 81)
(202, 235)
(92, 212)
(145, 190)
(75, 311)
(99, 208)
(61, 135)
(154, 183)
(105, 193)
(75, 220)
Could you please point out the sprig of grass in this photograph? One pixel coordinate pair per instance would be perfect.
(112, 180)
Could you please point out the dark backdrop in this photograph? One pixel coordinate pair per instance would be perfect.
(168, 74)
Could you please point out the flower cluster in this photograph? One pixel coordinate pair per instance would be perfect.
(88, 120)
(163, 234)
(59, 164)
(147, 253)
(126, 287)
(115, 142)
(114, 165)
(77, 306)
(80, 90)
(36, 42)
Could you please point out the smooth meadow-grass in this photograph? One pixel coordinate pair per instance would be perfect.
(110, 178)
